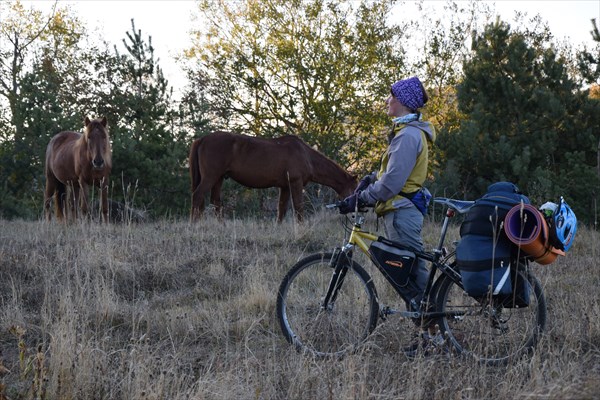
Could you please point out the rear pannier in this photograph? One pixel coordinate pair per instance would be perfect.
(486, 258)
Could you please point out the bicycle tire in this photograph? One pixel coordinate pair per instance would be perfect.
(487, 331)
(340, 328)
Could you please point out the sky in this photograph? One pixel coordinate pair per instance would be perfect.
(170, 21)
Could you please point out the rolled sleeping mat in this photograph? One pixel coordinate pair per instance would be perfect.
(526, 227)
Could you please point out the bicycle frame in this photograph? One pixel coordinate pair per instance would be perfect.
(342, 260)
(327, 305)
(359, 237)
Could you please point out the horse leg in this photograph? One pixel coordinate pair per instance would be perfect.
(51, 189)
(60, 200)
(198, 201)
(198, 195)
(215, 198)
(64, 202)
(297, 199)
(104, 199)
(284, 199)
(75, 200)
(82, 198)
(197, 204)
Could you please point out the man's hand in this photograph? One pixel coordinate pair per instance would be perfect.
(349, 204)
(363, 184)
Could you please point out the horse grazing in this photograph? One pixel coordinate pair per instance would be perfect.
(74, 161)
(285, 162)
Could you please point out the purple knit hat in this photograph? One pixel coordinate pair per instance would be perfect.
(409, 92)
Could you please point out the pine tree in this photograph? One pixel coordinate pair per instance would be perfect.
(527, 121)
(149, 148)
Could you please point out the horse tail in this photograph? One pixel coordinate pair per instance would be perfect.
(195, 166)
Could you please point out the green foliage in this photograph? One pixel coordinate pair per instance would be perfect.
(526, 121)
(61, 84)
(440, 60)
(148, 147)
(40, 82)
(589, 59)
(43, 110)
(514, 107)
(316, 69)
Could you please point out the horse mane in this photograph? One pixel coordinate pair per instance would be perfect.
(319, 158)
(101, 124)
(286, 162)
(77, 160)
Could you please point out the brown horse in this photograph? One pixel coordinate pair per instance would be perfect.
(74, 161)
(286, 162)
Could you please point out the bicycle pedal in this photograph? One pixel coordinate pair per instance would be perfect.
(384, 312)
(412, 314)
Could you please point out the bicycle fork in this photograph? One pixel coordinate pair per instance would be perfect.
(340, 262)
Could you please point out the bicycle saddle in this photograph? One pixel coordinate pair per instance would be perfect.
(461, 206)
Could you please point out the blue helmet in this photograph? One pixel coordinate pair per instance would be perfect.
(565, 223)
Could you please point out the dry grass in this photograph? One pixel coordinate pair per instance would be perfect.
(171, 310)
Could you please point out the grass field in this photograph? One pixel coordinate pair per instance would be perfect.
(169, 310)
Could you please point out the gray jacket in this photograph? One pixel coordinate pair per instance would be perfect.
(403, 151)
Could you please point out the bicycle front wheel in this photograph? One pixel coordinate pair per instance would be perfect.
(333, 329)
(487, 330)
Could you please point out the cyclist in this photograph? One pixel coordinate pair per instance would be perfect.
(401, 176)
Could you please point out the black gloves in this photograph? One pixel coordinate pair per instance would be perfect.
(362, 185)
(349, 204)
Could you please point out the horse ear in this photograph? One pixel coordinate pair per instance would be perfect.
(86, 121)
(104, 122)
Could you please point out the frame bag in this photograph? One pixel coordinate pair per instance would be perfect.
(395, 263)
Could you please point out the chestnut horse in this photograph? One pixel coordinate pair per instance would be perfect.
(74, 161)
(285, 162)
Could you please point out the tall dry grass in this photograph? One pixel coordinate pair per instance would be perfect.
(170, 310)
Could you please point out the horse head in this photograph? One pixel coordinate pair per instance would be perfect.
(97, 141)
(348, 185)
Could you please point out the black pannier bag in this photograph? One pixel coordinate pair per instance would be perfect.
(485, 257)
(519, 296)
(395, 264)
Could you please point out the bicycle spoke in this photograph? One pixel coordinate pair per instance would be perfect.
(487, 330)
(334, 329)
(325, 310)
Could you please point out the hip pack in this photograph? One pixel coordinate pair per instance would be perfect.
(421, 199)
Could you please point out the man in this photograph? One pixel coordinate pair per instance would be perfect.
(395, 189)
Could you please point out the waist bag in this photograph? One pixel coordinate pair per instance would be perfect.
(421, 199)
(485, 257)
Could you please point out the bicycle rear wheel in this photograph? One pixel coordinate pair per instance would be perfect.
(484, 328)
(333, 330)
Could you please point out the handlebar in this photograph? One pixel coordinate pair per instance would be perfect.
(338, 204)
(460, 206)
